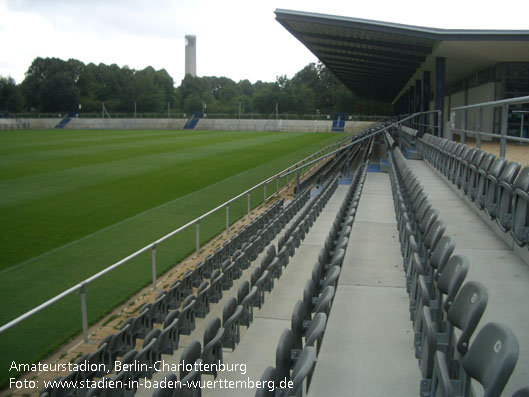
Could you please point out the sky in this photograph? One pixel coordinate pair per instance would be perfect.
(239, 39)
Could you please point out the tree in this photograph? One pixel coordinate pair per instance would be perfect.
(10, 95)
(50, 84)
(54, 85)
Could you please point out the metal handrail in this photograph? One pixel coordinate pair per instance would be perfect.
(81, 286)
(504, 104)
(510, 101)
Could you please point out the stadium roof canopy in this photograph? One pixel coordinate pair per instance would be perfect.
(380, 60)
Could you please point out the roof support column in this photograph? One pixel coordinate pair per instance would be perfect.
(418, 104)
(418, 96)
(411, 109)
(426, 99)
(440, 71)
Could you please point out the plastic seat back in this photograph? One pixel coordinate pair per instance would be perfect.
(466, 311)
(284, 355)
(314, 334)
(268, 383)
(492, 357)
(303, 369)
(212, 353)
(451, 278)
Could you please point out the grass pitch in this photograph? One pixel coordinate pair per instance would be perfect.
(74, 202)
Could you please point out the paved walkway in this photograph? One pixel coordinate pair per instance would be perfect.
(367, 349)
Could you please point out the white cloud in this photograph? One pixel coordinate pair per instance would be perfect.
(235, 38)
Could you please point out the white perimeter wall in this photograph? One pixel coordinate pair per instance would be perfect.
(203, 124)
(278, 125)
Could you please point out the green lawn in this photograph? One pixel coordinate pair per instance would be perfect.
(74, 202)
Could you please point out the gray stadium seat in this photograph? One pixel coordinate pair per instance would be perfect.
(450, 280)
(296, 325)
(507, 176)
(212, 353)
(505, 200)
(314, 334)
(174, 296)
(146, 358)
(231, 315)
(157, 310)
(325, 300)
(173, 330)
(269, 382)
(331, 277)
(284, 361)
(303, 370)
(465, 314)
(441, 254)
(186, 318)
(228, 269)
(523, 392)
(216, 286)
(520, 223)
(246, 297)
(257, 281)
(190, 355)
(202, 302)
(167, 391)
(490, 359)
(117, 344)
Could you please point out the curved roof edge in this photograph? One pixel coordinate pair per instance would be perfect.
(419, 31)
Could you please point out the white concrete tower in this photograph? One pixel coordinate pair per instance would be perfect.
(191, 55)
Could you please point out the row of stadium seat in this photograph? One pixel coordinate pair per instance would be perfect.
(295, 360)
(444, 311)
(175, 308)
(238, 311)
(497, 186)
(340, 160)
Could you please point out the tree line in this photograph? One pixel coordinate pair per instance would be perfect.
(53, 85)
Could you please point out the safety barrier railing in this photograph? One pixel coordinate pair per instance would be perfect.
(423, 122)
(503, 136)
(299, 169)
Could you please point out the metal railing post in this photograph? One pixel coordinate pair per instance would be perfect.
(504, 125)
(264, 200)
(227, 217)
(198, 236)
(154, 266)
(249, 204)
(297, 181)
(463, 125)
(277, 184)
(480, 123)
(84, 316)
(439, 121)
